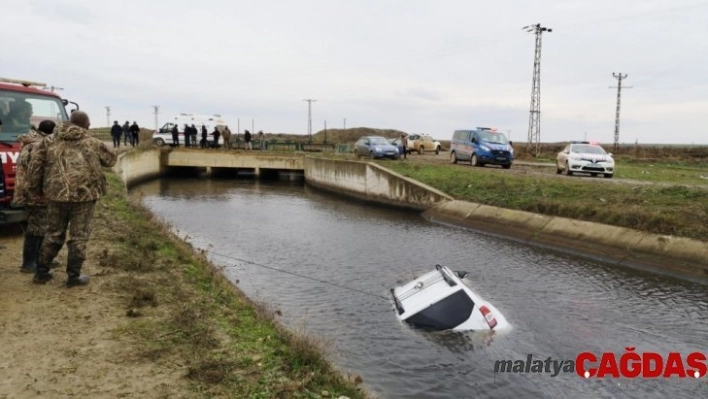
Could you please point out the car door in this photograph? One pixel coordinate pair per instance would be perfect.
(563, 156)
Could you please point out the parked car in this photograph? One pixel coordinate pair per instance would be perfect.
(423, 143)
(481, 146)
(585, 157)
(375, 147)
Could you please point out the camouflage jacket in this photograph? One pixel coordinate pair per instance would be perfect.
(29, 142)
(68, 167)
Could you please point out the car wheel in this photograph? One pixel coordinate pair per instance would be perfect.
(453, 157)
(473, 160)
(593, 174)
(608, 176)
(567, 170)
(371, 154)
(437, 150)
(508, 166)
(421, 150)
(159, 142)
(558, 168)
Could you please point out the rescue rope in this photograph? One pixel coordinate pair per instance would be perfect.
(300, 275)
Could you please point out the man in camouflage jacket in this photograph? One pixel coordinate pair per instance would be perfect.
(67, 171)
(36, 208)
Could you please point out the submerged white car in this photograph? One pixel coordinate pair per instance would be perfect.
(440, 300)
(585, 157)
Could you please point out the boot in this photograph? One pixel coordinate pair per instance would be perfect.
(73, 270)
(30, 253)
(43, 274)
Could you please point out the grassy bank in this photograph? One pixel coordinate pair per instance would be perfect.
(673, 210)
(182, 313)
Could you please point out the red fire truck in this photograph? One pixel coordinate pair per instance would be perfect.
(22, 104)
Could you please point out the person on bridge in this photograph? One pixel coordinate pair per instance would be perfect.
(216, 137)
(194, 132)
(227, 138)
(36, 207)
(67, 171)
(205, 133)
(261, 140)
(404, 145)
(187, 136)
(247, 139)
(175, 136)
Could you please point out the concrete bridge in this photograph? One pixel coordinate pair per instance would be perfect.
(247, 162)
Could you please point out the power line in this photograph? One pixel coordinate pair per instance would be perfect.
(535, 109)
(619, 78)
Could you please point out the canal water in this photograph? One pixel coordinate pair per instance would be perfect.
(328, 264)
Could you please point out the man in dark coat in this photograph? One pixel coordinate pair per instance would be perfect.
(134, 134)
(116, 131)
(187, 135)
(175, 136)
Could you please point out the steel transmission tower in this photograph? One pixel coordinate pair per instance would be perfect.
(156, 107)
(619, 78)
(309, 116)
(535, 116)
(108, 116)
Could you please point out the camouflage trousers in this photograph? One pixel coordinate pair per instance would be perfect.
(62, 216)
(37, 220)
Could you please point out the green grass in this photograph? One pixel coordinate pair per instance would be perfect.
(673, 210)
(184, 313)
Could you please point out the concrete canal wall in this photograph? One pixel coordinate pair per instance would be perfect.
(680, 257)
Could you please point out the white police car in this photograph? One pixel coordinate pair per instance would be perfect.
(585, 157)
(440, 300)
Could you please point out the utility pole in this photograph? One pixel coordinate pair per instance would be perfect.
(108, 116)
(325, 132)
(156, 107)
(253, 129)
(309, 116)
(619, 78)
(535, 112)
(345, 123)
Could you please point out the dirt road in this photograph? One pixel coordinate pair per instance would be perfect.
(60, 343)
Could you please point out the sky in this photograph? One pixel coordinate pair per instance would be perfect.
(420, 66)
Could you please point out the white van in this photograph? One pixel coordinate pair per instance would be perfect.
(163, 136)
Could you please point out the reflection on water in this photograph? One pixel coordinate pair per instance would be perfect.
(559, 305)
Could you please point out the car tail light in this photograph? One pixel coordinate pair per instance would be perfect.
(488, 316)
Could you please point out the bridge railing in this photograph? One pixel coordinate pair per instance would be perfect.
(291, 146)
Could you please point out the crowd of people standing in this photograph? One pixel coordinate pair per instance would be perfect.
(129, 133)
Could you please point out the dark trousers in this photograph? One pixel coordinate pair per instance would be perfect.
(116, 141)
(175, 139)
(62, 216)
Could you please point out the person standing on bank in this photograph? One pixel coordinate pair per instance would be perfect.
(404, 144)
(36, 208)
(134, 134)
(216, 135)
(67, 171)
(126, 133)
(187, 136)
(116, 131)
(261, 140)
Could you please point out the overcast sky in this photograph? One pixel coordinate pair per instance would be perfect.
(429, 66)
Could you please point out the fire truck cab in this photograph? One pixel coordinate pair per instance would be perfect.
(23, 104)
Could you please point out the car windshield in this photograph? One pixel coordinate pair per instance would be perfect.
(493, 138)
(588, 149)
(19, 111)
(378, 141)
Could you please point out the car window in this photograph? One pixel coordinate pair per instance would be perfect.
(588, 149)
(378, 141)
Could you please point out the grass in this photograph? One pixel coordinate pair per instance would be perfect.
(672, 210)
(184, 313)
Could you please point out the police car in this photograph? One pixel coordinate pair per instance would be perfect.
(585, 157)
